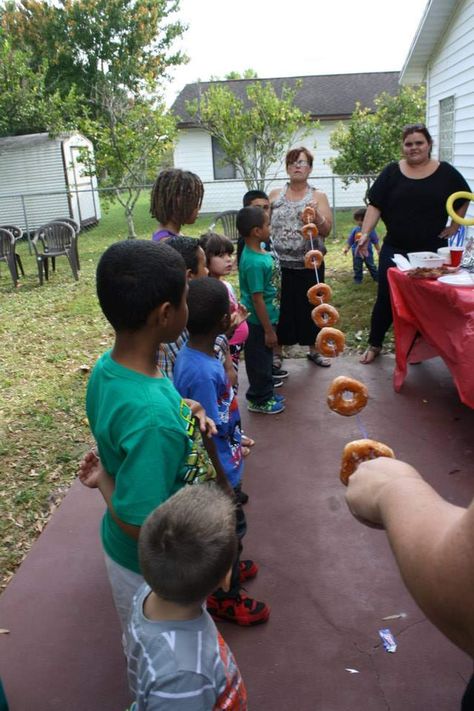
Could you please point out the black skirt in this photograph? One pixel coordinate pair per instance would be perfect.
(295, 324)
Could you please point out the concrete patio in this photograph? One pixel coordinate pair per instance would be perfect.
(329, 580)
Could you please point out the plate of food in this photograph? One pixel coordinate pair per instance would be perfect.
(464, 280)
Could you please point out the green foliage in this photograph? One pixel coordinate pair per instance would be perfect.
(25, 104)
(372, 139)
(256, 134)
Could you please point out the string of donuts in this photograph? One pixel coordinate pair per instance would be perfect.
(330, 341)
(346, 396)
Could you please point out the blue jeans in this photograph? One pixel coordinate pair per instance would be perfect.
(358, 264)
(258, 363)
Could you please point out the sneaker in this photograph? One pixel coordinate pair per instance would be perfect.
(271, 407)
(279, 373)
(279, 398)
(277, 383)
(241, 610)
(248, 570)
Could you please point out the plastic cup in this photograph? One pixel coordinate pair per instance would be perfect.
(456, 255)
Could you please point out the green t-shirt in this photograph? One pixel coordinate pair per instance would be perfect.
(146, 439)
(259, 274)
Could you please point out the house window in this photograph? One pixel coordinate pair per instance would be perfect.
(446, 129)
(223, 170)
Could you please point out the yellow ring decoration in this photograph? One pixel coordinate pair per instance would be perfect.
(450, 209)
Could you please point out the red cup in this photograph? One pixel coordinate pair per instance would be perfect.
(456, 255)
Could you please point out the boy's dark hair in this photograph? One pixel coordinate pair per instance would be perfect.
(359, 214)
(253, 195)
(134, 277)
(188, 544)
(208, 303)
(188, 248)
(216, 245)
(248, 218)
(175, 195)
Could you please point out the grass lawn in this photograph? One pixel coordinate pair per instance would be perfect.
(51, 337)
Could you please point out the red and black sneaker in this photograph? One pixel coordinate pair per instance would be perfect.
(241, 610)
(248, 570)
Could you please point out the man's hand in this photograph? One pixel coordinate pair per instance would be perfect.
(271, 340)
(370, 482)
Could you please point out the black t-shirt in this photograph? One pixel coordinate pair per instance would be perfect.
(414, 210)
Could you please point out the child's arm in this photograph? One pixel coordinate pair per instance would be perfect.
(432, 540)
(229, 369)
(93, 475)
(221, 479)
(271, 340)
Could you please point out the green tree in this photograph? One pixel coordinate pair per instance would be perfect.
(372, 139)
(131, 141)
(254, 134)
(25, 104)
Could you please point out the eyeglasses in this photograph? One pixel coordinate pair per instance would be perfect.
(299, 164)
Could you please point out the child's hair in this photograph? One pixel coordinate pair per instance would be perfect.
(215, 245)
(188, 248)
(248, 218)
(208, 303)
(175, 195)
(188, 544)
(253, 195)
(134, 277)
(359, 214)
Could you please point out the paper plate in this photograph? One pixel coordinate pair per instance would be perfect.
(465, 281)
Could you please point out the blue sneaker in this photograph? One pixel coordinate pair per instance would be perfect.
(279, 398)
(270, 407)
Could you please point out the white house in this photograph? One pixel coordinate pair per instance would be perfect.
(442, 55)
(327, 98)
(42, 178)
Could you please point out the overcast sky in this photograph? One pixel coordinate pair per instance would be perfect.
(335, 37)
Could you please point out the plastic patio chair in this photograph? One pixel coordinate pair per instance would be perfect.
(77, 228)
(227, 222)
(17, 232)
(52, 240)
(7, 253)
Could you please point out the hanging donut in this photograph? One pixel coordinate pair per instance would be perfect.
(358, 451)
(347, 396)
(309, 231)
(319, 293)
(325, 315)
(308, 214)
(313, 258)
(330, 342)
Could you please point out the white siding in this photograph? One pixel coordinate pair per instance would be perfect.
(193, 152)
(451, 73)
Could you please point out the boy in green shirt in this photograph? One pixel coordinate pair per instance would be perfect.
(259, 292)
(144, 430)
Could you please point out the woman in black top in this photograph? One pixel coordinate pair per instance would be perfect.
(410, 197)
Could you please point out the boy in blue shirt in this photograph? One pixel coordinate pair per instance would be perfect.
(199, 375)
(358, 260)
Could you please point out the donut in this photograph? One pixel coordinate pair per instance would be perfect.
(325, 315)
(319, 294)
(309, 231)
(330, 342)
(308, 214)
(339, 402)
(313, 258)
(359, 451)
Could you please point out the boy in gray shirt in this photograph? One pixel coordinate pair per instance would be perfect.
(177, 659)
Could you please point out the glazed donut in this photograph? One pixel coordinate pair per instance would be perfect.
(309, 231)
(319, 294)
(308, 214)
(330, 342)
(313, 258)
(325, 315)
(359, 451)
(337, 400)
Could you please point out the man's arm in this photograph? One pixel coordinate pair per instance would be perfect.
(432, 540)
(262, 314)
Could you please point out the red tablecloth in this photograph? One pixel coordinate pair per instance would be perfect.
(433, 319)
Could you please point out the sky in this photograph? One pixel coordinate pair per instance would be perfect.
(330, 37)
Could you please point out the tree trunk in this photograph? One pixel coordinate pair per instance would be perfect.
(130, 223)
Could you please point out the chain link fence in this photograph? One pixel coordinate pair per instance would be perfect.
(29, 210)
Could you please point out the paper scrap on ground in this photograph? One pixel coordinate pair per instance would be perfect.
(388, 640)
(395, 617)
(352, 671)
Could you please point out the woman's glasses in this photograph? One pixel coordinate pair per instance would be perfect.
(299, 164)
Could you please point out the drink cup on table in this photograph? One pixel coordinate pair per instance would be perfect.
(456, 255)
